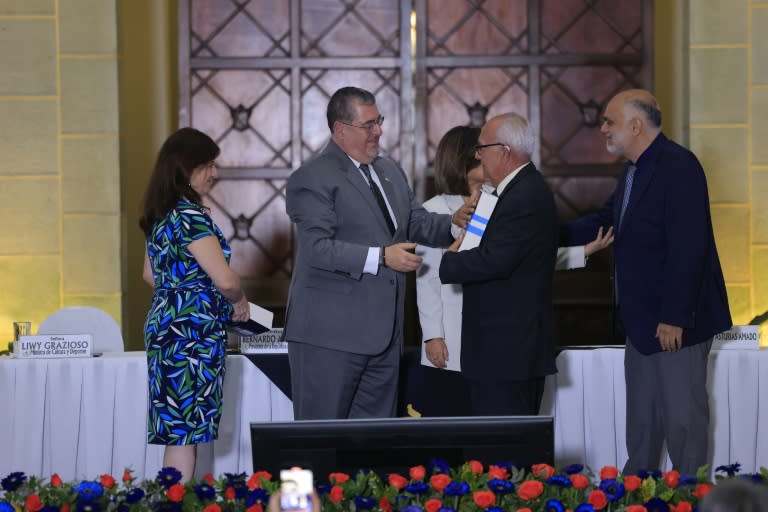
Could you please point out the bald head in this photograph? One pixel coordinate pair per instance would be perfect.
(631, 122)
(643, 103)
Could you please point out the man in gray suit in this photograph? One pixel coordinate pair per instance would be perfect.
(357, 224)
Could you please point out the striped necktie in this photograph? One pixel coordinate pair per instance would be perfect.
(627, 191)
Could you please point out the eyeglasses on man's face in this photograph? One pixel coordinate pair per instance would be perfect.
(480, 147)
(369, 126)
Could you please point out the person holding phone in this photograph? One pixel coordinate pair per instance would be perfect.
(195, 294)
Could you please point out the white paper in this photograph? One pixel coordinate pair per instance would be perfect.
(738, 337)
(479, 221)
(260, 321)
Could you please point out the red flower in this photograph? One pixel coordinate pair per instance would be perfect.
(579, 481)
(475, 466)
(632, 483)
(397, 481)
(208, 478)
(440, 482)
(672, 478)
(108, 481)
(530, 490)
(609, 472)
(255, 481)
(127, 477)
(64, 508)
(433, 505)
(56, 480)
(597, 499)
(33, 503)
(524, 509)
(385, 505)
(417, 473)
(256, 507)
(338, 478)
(177, 491)
(683, 506)
(213, 507)
(497, 473)
(542, 471)
(636, 508)
(483, 499)
(702, 490)
(336, 494)
(229, 493)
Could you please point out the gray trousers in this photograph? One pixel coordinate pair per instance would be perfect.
(667, 400)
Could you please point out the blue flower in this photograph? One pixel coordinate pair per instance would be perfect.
(166, 506)
(656, 505)
(6, 507)
(204, 492)
(649, 473)
(554, 506)
(730, 469)
(365, 502)
(88, 506)
(688, 480)
(494, 509)
(417, 487)
(413, 508)
(446, 509)
(613, 490)
(437, 466)
(168, 476)
(559, 480)
(232, 479)
(584, 507)
(255, 496)
(754, 477)
(13, 481)
(50, 508)
(456, 489)
(573, 469)
(501, 486)
(88, 491)
(323, 489)
(134, 495)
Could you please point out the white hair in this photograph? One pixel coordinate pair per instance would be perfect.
(515, 132)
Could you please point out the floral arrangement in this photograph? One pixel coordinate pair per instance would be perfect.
(435, 488)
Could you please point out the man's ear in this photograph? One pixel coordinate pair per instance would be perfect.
(337, 128)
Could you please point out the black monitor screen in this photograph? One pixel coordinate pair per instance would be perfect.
(394, 445)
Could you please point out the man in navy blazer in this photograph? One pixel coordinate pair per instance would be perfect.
(356, 224)
(507, 348)
(668, 285)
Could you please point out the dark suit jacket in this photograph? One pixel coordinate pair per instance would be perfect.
(506, 331)
(332, 303)
(666, 264)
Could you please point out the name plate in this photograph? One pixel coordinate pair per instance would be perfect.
(47, 346)
(738, 337)
(264, 343)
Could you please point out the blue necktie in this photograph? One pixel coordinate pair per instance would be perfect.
(627, 191)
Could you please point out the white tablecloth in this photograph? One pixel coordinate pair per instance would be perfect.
(587, 399)
(85, 417)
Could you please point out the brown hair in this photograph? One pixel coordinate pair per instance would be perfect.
(454, 158)
(181, 153)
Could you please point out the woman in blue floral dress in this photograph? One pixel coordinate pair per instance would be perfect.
(195, 294)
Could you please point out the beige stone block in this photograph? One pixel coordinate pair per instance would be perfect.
(718, 21)
(90, 176)
(760, 207)
(723, 154)
(91, 254)
(30, 291)
(28, 57)
(30, 212)
(112, 304)
(759, 108)
(731, 227)
(29, 139)
(88, 26)
(27, 7)
(760, 279)
(759, 46)
(740, 303)
(718, 85)
(89, 96)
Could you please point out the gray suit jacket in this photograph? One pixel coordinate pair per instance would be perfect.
(332, 303)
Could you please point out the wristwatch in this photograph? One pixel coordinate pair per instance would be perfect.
(382, 258)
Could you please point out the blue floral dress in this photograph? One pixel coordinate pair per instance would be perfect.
(184, 334)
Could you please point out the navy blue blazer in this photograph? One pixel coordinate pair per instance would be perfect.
(666, 265)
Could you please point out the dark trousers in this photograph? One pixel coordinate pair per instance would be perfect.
(446, 393)
(506, 398)
(331, 384)
(667, 400)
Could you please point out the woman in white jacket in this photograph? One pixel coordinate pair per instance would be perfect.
(457, 174)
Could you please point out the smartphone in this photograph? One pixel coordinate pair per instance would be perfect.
(296, 490)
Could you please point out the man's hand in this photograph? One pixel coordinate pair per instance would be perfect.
(397, 257)
(437, 352)
(454, 247)
(599, 243)
(670, 337)
(462, 215)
